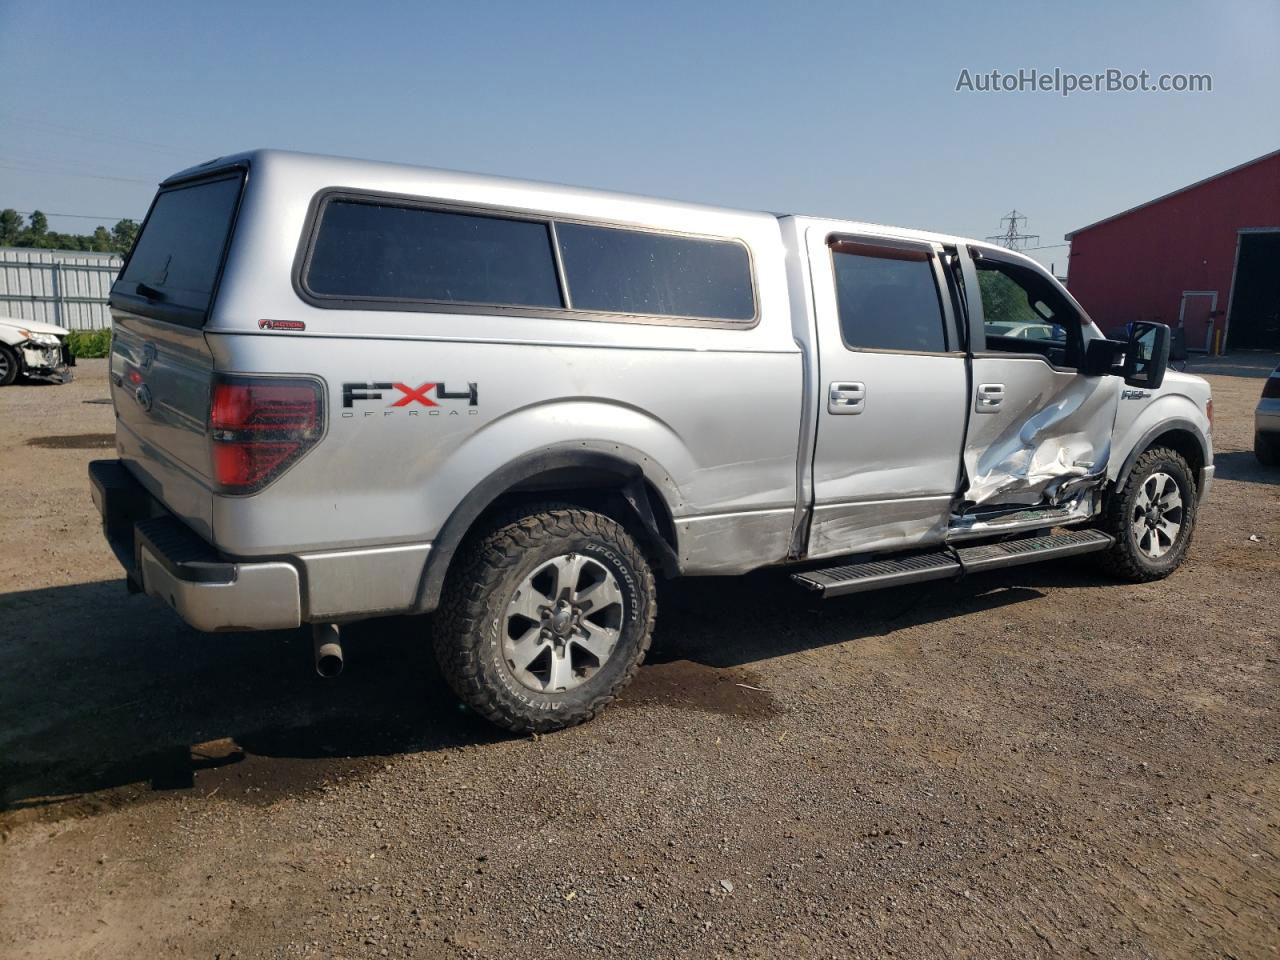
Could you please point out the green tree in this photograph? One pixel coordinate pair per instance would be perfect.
(124, 234)
(39, 224)
(36, 233)
(10, 227)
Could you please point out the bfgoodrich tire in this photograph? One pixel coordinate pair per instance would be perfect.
(1151, 517)
(545, 617)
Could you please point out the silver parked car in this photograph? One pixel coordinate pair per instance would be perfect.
(346, 389)
(1266, 422)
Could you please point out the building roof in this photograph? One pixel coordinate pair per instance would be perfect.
(1173, 193)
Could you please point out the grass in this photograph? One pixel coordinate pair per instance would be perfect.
(89, 343)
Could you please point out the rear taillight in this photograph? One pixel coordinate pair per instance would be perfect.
(1271, 389)
(260, 426)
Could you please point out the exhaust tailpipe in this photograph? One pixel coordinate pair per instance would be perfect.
(328, 649)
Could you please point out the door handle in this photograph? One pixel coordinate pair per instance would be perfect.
(846, 397)
(990, 396)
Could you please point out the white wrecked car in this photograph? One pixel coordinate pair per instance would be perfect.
(29, 348)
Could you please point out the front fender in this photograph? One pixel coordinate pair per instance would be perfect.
(1163, 414)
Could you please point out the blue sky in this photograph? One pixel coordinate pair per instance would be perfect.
(847, 109)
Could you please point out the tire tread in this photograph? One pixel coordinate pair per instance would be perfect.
(1122, 560)
(475, 580)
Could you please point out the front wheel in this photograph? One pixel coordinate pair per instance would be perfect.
(9, 366)
(1151, 517)
(545, 618)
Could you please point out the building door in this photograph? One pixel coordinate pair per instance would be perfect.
(1254, 305)
(1195, 317)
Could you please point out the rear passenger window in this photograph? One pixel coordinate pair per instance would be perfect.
(636, 272)
(888, 302)
(372, 251)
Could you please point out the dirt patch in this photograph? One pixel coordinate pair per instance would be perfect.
(75, 441)
(685, 685)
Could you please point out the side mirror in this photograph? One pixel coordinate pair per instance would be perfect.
(1103, 358)
(1147, 356)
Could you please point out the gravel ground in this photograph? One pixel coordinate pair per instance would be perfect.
(1028, 764)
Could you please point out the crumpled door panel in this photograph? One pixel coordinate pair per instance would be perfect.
(1052, 429)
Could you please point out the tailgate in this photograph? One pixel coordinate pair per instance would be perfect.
(161, 366)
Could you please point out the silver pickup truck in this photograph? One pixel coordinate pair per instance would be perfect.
(346, 389)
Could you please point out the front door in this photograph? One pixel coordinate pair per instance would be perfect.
(1195, 317)
(1038, 428)
(892, 414)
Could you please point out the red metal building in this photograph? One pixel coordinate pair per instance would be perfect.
(1205, 258)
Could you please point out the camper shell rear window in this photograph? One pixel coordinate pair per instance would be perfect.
(374, 252)
(173, 270)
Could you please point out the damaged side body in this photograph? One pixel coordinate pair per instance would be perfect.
(986, 415)
(1051, 451)
(1040, 428)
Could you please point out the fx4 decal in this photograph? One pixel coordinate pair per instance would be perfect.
(428, 395)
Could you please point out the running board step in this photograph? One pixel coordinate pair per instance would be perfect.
(942, 565)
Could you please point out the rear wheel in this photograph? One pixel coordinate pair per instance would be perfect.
(1266, 447)
(1151, 517)
(545, 618)
(8, 366)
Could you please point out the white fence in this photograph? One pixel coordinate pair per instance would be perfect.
(65, 287)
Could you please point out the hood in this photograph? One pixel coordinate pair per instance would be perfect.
(34, 326)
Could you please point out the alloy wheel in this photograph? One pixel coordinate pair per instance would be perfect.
(1157, 515)
(562, 624)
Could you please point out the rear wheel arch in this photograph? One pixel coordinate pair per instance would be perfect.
(613, 483)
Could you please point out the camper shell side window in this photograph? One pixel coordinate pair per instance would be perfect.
(374, 252)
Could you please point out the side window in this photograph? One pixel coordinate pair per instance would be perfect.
(374, 251)
(637, 272)
(1023, 312)
(888, 302)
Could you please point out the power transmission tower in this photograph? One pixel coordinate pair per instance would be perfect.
(1012, 239)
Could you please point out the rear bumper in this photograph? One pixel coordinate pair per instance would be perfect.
(163, 558)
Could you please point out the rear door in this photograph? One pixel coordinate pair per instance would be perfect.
(1038, 428)
(892, 375)
(161, 366)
